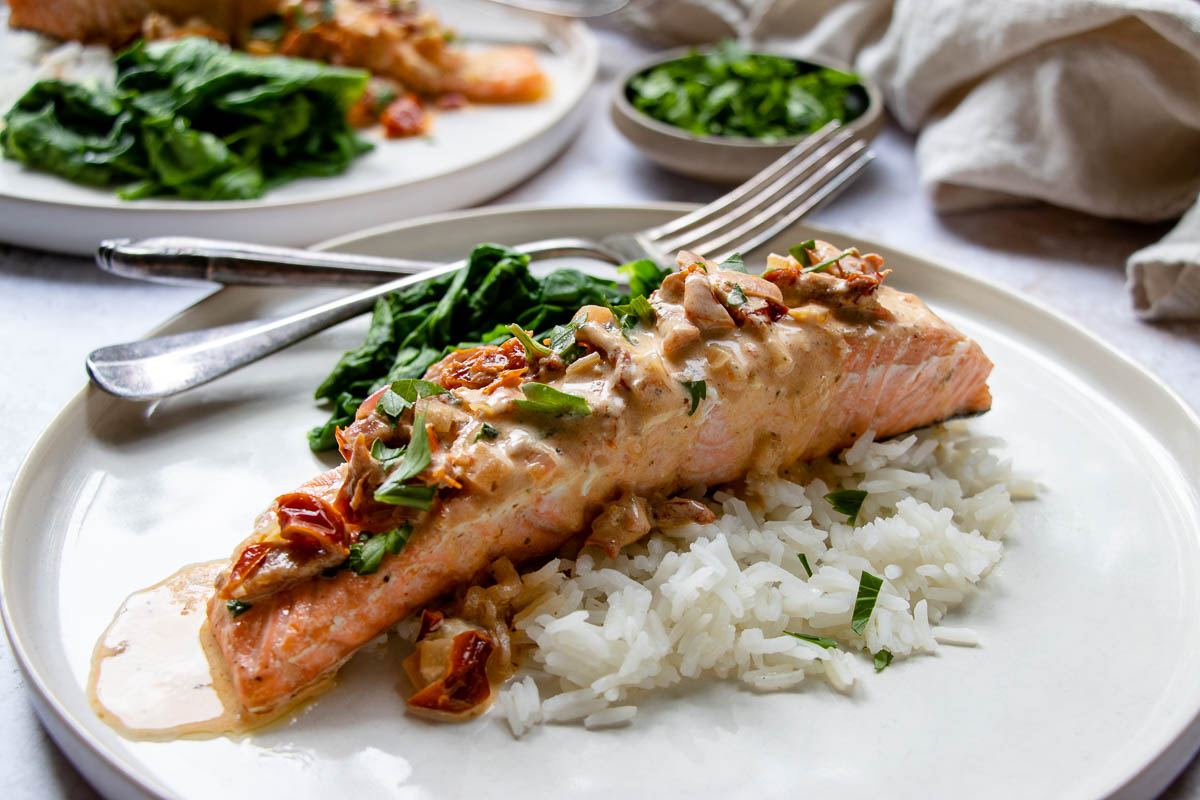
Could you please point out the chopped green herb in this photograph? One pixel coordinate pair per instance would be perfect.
(486, 432)
(697, 390)
(729, 91)
(848, 502)
(804, 561)
(800, 252)
(384, 454)
(824, 265)
(562, 342)
(736, 296)
(410, 495)
(827, 643)
(548, 400)
(416, 459)
(636, 310)
(864, 603)
(237, 608)
(882, 659)
(402, 394)
(734, 262)
(532, 349)
(269, 28)
(367, 553)
(644, 276)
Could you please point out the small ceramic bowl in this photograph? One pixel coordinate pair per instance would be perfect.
(723, 159)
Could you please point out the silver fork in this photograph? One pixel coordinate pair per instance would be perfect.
(809, 174)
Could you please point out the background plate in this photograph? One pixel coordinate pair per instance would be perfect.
(1084, 685)
(471, 155)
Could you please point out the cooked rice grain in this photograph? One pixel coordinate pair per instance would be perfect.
(721, 598)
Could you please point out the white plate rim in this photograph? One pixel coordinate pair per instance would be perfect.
(110, 772)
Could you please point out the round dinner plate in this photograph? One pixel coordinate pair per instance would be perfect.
(1084, 684)
(470, 155)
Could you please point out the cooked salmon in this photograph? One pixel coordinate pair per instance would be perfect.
(117, 22)
(722, 374)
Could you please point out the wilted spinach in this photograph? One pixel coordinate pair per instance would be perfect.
(190, 118)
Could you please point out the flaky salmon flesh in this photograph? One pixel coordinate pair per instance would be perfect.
(722, 374)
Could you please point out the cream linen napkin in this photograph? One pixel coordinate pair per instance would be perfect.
(1089, 104)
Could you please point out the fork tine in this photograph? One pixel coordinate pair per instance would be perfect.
(749, 188)
(820, 186)
(750, 206)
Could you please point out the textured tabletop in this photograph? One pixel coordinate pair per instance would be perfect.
(55, 309)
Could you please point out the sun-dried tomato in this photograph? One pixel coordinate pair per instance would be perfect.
(464, 686)
(477, 367)
(304, 518)
(404, 117)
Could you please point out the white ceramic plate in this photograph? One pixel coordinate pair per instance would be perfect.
(1084, 685)
(472, 154)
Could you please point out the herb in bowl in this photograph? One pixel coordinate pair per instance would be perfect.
(732, 92)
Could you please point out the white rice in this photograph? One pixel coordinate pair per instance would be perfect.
(27, 57)
(720, 599)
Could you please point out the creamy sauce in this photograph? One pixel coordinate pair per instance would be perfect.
(156, 671)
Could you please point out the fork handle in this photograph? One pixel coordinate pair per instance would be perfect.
(176, 259)
(166, 365)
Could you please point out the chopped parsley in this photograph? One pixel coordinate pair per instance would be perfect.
(734, 262)
(411, 495)
(800, 252)
(548, 400)
(697, 390)
(367, 553)
(237, 608)
(384, 454)
(486, 432)
(823, 641)
(532, 349)
(848, 502)
(804, 561)
(864, 603)
(882, 659)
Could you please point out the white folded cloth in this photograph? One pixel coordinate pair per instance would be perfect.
(1088, 104)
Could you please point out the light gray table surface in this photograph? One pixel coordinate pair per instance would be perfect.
(55, 309)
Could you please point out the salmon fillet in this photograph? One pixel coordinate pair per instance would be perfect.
(794, 365)
(117, 22)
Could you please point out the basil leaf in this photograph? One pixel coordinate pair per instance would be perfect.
(804, 561)
(736, 296)
(486, 432)
(824, 265)
(734, 262)
(864, 603)
(882, 659)
(548, 400)
(800, 252)
(412, 389)
(827, 643)
(532, 349)
(410, 495)
(391, 405)
(697, 390)
(848, 502)
(237, 608)
(384, 454)
(368, 552)
(416, 459)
